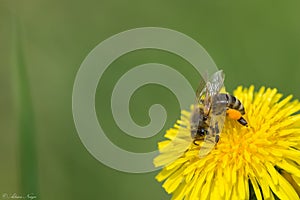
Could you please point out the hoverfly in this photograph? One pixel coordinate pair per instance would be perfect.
(209, 112)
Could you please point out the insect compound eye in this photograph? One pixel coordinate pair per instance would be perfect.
(201, 132)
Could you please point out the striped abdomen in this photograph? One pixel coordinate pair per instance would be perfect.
(234, 103)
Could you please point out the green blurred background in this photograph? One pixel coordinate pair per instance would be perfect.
(43, 43)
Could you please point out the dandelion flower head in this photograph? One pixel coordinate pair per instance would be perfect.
(261, 161)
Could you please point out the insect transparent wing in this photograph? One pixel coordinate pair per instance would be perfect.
(201, 90)
(207, 145)
(214, 131)
(215, 84)
(212, 87)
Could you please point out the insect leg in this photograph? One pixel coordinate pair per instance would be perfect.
(194, 142)
(243, 121)
(217, 132)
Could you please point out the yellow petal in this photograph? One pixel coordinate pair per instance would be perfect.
(255, 187)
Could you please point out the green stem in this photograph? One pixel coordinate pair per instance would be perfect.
(25, 117)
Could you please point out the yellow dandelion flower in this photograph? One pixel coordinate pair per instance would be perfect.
(261, 161)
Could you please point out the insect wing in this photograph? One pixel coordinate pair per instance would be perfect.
(200, 92)
(215, 84)
(209, 89)
(215, 128)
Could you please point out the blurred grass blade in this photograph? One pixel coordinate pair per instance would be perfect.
(25, 116)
